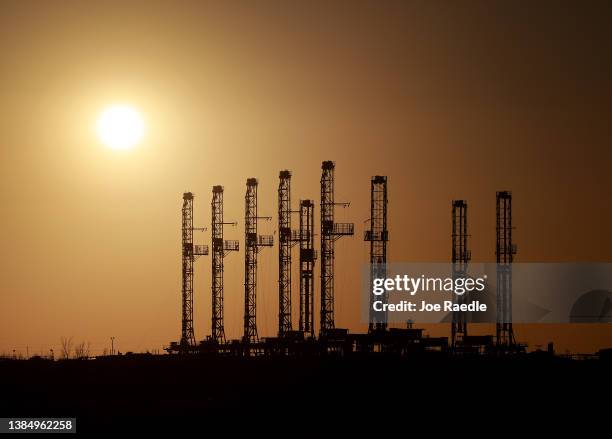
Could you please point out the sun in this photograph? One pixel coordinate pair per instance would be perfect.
(120, 127)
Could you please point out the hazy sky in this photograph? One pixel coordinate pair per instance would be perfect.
(450, 100)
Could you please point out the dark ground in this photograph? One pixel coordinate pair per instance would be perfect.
(167, 392)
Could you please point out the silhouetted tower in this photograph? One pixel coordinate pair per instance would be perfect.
(253, 244)
(308, 257)
(460, 258)
(189, 254)
(286, 242)
(505, 251)
(378, 235)
(220, 249)
(330, 232)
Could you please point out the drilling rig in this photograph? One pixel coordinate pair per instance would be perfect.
(190, 253)
(460, 258)
(308, 256)
(505, 250)
(253, 245)
(377, 236)
(330, 233)
(220, 249)
(287, 240)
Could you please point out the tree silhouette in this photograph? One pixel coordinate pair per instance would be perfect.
(66, 347)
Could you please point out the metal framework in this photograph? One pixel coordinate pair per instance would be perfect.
(505, 251)
(460, 259)
(286, 241)
(330, 233)
(253, 244)
(220, 249)
(378, 236)
(189, 254)
(308, 257)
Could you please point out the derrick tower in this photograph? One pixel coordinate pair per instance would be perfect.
(220, 249)
(378, 235)
(308, 257)
(330, 233)
(287, 239)
(505, 250)
(253, 244)
(189, 254)
(460, 258)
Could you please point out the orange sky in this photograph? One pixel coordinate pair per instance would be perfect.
(449, 100)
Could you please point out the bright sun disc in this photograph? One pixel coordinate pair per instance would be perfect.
(120, 127)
